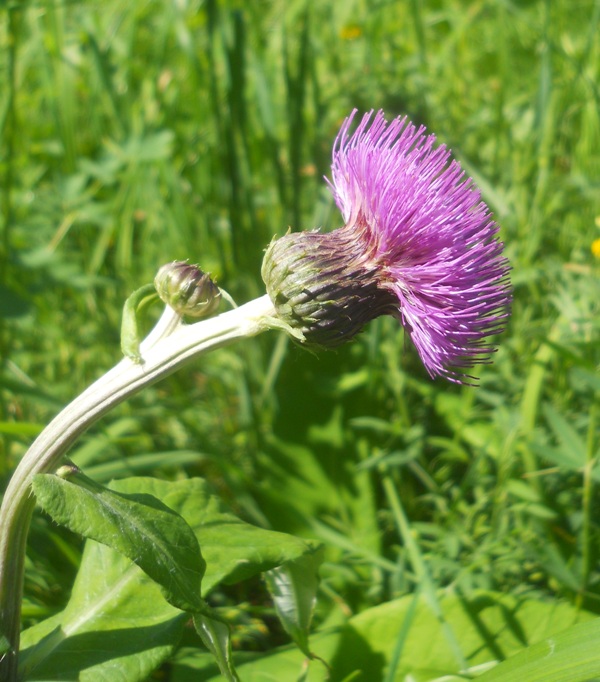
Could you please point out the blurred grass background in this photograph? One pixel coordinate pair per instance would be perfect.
(136, 133)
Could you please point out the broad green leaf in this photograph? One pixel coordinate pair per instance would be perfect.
(233, 550)
(293, 587)
(139, 526)
(491, 626)
(116, 626)
(570, 656)
(216, 638)
(117, 622)
(284, 664)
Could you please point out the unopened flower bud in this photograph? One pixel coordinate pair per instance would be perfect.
(187, 289)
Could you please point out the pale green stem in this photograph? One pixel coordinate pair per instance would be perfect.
(169, 345)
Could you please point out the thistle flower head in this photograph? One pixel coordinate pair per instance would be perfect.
(418, 243)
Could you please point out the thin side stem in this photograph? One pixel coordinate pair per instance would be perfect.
(169, 346)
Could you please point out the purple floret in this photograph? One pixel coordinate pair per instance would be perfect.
(433, 240)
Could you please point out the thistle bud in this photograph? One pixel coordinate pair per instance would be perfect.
(323, 286)
(187, 289)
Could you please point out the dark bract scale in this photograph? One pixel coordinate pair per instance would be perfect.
(418, 243)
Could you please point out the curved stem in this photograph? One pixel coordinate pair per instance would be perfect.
(168, 346)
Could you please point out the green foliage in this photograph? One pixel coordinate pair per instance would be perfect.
(293, 586)
(138, 526)
(137, 133)
(114, 602)
(569, 657)
(404, 639)
(216, 637)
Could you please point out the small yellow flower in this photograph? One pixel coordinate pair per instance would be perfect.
(596, 248)
(351, 32)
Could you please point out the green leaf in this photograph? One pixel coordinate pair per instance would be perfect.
(233, 550)
(117, 625)
(571, 656)
(365, 647)
(116, 621)
(217, 639)
(139, 526)
(131, 336)
(293, 587)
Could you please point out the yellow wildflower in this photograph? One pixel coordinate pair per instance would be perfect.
(351, 32)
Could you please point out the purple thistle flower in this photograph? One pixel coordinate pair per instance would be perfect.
(418, 243)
